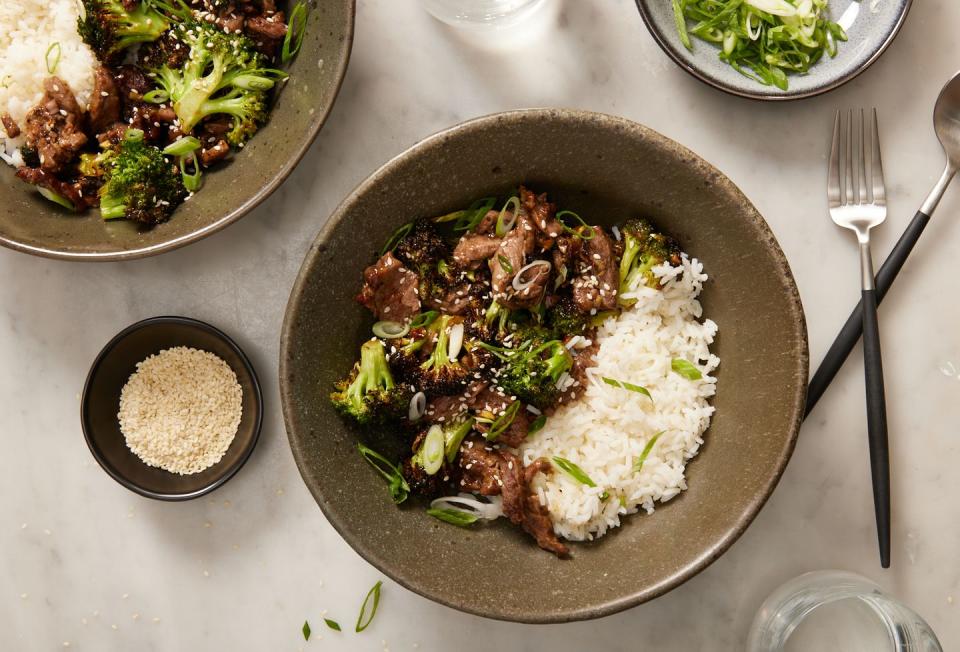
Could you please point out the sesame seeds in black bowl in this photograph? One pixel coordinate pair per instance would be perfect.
(171, 408)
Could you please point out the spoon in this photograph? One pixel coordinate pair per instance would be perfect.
(946, 124)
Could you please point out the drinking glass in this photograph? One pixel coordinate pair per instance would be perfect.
(481, 13)
(837, 610)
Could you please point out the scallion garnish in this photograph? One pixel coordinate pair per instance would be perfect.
(375, 594)
(685, 369)
(397, 236)
(505, 263)
(573, 471)
(56, 198)
(506, 220)
(332, 624)
(762, 39)
(424, 319)
(191, 180)
(638, 465)
(52, 57)
(583, 230)
(296, 30)
(389, 330)
(431, 452)
(306, 631)
(156, 96)
(625, 385)
(456, 517)
(502, 422)
(537, 424)
(182, 146)
(399, 489)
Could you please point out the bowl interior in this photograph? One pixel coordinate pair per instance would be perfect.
(606, 169)
(32, 224)
(101, 402)
(870, 27)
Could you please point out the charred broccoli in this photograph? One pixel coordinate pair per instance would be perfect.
(109, 28)
(644, 248)
(369, 394)
(223, 75)
(140, 184)
(531, 372)
(442, 373)
(422, 246)
(565, 319)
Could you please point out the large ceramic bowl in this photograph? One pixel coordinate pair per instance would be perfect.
(606, 169)
(870, 26)
(30, 223)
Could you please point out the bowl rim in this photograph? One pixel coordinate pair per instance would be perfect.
(786, 96)
(639, 595)
(316, 124)
(229, 471)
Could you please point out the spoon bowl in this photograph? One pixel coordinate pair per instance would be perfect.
(946, 120)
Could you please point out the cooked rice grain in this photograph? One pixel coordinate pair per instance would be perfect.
(181, 409)
(606, 431)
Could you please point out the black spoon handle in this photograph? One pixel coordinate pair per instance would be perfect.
(852, 330)
(877, 423)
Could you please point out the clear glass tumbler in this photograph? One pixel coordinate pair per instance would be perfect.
(846, 611)
(481, 13)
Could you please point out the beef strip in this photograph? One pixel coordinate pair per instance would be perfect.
(543, 214)
(516, 432)
(214, 153)
(583, 359)
(473, 249)
(488, 224)
(564, 253)
(489, 471)
(441, 409)
(595, 287)
(105, 101)
(390, 290)
(54, 127)
(267, 32)
(507, 262)
(10, 125)
(82, 192)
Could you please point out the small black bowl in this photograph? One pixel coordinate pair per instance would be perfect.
(101, 402)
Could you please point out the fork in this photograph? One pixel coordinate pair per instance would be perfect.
(859, 206)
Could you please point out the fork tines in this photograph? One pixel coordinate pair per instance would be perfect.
(848, 153)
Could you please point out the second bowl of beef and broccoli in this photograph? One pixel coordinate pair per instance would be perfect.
(136, 126)
(502, 359)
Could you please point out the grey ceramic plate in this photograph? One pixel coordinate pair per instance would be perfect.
(606, 169)
(30, 223)
(871, 26)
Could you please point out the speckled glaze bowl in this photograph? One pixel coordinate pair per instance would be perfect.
(871, 26)
(606, 169)
(31, 224)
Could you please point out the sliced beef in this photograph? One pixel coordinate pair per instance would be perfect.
(10, 125)
(565, 251)
(81, 192)
(489, 471)
(390, 290)
(132, 82)
(105, 101)
(595, 287)
(214, 153)
(507, 262)
(479, 467)
(488, 224)
(583, 359)
(267, 32)
(444, 409)
(54, 127)
(543, 213)
(473, 249)
(516, 432)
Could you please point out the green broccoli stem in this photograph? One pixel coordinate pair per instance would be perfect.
(559, 361)
(374, 373)
(193, 106)
(630, 251)
(440, 357)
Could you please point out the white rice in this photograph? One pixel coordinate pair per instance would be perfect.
(30, 28)
(606, 430)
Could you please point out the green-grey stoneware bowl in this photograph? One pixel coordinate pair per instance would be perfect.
(606, 169)
(871, 27)
(31, 224)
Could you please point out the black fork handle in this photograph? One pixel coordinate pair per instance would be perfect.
(877, 423)
(853, 329)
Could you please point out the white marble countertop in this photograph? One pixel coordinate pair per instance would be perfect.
(88, 563)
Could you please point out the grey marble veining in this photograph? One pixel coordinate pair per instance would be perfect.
(242, 568)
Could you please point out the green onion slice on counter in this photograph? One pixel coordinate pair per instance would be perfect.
(374, 593)
(332, 624)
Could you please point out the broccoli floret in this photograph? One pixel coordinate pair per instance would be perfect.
(565, 319)
(422, 246)
(531, 372)
(140, 184)
(96, 165)
(496, 321)
(438, 374)
(644, 248)
(223, 75)
(369, 394)
(108, 28)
